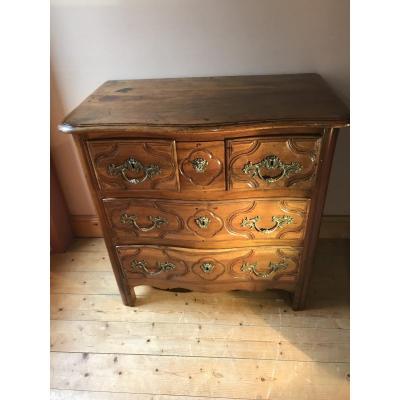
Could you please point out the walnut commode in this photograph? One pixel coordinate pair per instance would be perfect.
(210, 184)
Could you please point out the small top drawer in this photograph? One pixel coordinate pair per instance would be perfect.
(201, 165)
(272, 163)
(133, 165)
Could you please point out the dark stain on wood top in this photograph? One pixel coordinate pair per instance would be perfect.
(210, 101)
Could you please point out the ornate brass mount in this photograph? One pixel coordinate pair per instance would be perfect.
(142, 266)
(207, 267)
(132, 165)
(271, 162)
(199, 165)
(202, 221)
(280, 221)
(272, 269)
(131, 220)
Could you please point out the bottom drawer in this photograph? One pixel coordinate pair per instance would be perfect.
(167, 267)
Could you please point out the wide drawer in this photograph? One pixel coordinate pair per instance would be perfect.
(263, 263)
(134, 165)
(273, 163)
(156, 221)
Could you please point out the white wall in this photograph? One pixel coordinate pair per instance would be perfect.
(94, 41)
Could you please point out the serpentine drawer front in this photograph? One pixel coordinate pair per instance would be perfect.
(269, 163)
(262, 265)
(132, 165)
(212, 221)
(210, 183)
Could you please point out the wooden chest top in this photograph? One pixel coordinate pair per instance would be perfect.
(269, 100)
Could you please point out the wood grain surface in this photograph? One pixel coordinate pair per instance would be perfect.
(302, 152)
(210, 101)
(225, 221)
(159, 154)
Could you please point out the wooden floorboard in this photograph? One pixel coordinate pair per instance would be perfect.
(56, 394)
(254, 342)
(220, 377)
(233, 345)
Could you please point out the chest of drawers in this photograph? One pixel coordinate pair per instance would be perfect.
(210, 184)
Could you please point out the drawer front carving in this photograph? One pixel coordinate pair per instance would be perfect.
(262, 263)
(260, 219)
(268, 163)
(134, 165)
(201, 165)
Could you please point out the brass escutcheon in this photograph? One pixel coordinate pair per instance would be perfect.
(207, 267)
(199, 164)
(202, 221)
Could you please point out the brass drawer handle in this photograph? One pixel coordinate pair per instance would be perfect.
(280, 221)
(142, 267)
(271, 271)
(131, 220)
(207, 267)
(202, 222)
(271, 162)
(133, 165)
(199, 165)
